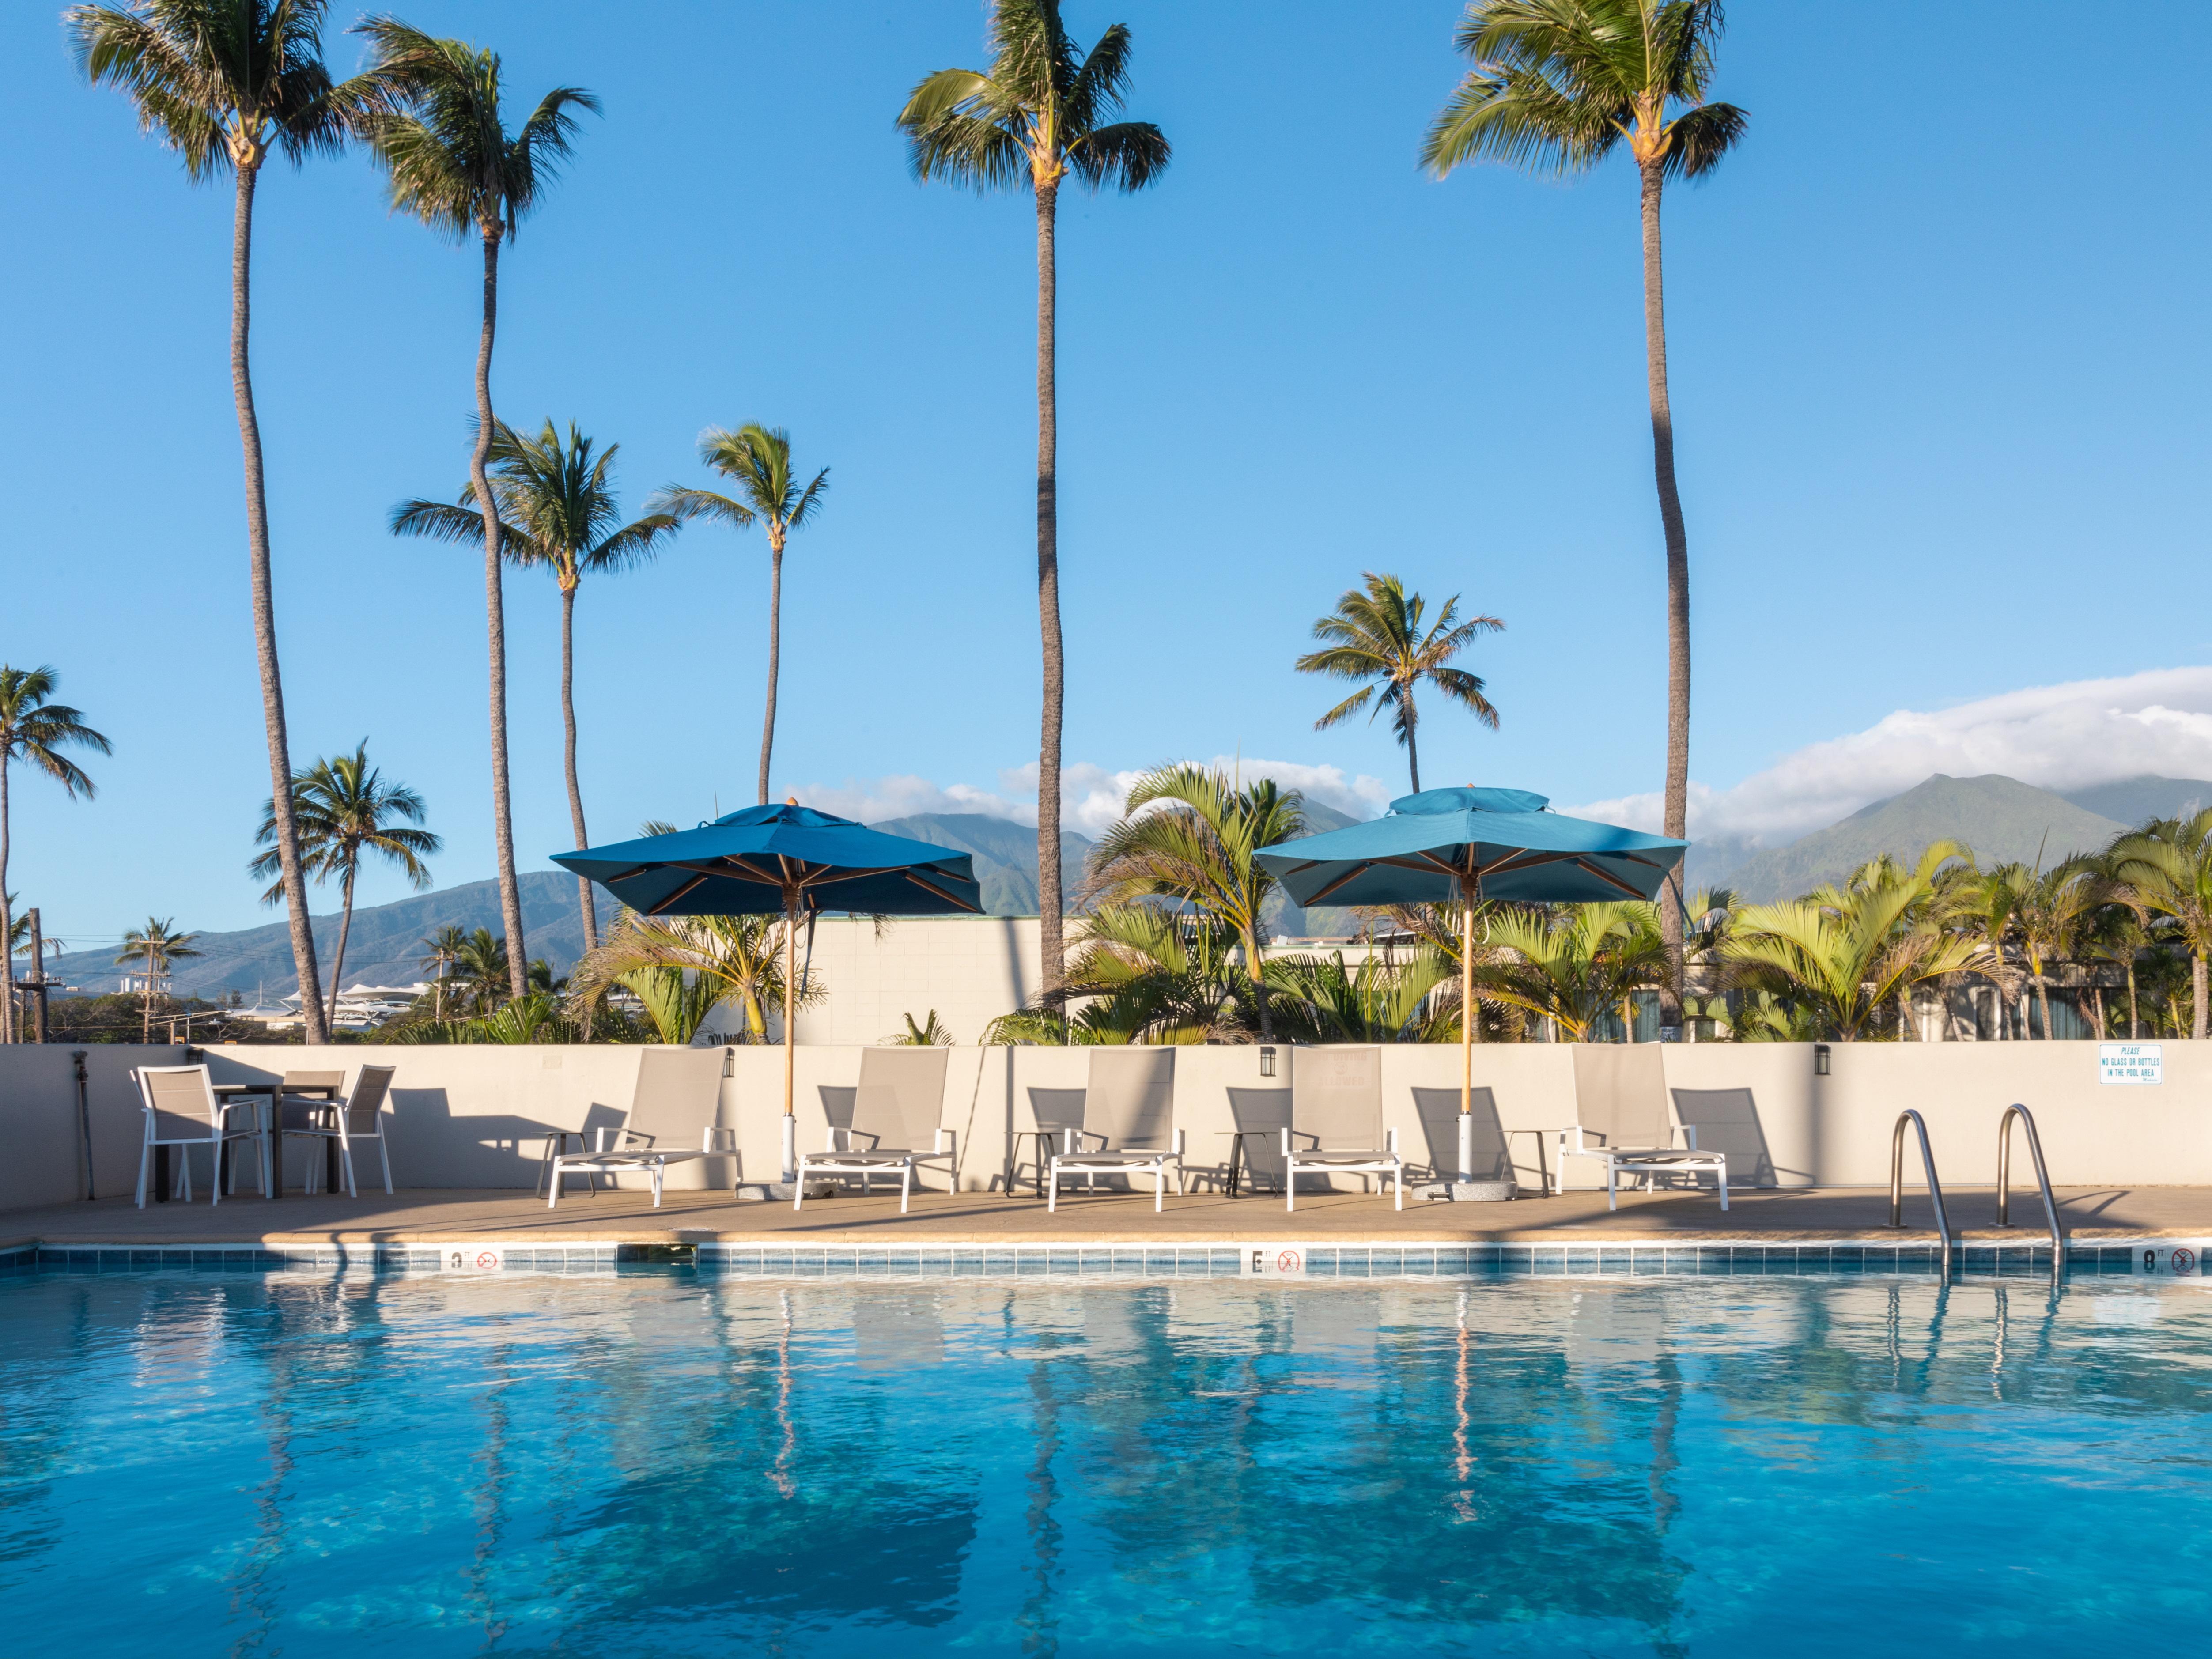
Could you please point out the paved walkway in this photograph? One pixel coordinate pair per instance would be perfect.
(2089, 1214)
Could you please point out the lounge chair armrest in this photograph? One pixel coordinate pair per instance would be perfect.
(1690, 1136)
(1390, 1139)
(948, 1140)
(1182, 1141)
(707, 1138)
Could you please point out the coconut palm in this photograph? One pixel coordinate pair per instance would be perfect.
(2051, 913)
(441, 951)
(1376, 636)
(1188, 836)
(153, 949)
(2168, 863)
(480, 981)
(225, 83)
(432, 115)
(346, 811)
(1573, 965)
(556, 510)
(1557, 86)
(757, 459)
(1845, 951)
(1040, 113)
(34, 730)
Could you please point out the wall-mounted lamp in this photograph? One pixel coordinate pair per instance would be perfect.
(1267, 1060)
(1819, 1059)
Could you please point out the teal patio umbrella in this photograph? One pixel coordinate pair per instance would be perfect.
(1462, 846)
(787, 860)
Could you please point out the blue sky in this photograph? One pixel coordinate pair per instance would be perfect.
(1938, 342)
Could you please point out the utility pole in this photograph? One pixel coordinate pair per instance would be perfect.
(38, 978)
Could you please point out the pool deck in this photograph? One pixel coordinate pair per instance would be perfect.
(2106, 1214)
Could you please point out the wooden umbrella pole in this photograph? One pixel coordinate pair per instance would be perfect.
(790, 1030)
(1467, 1019)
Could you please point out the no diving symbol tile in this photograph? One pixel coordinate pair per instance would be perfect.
(1275, 1261)
(2178, 1261)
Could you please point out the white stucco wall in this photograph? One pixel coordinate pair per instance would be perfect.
(476, 1116)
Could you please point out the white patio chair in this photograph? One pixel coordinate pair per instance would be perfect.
(182, 1111)
(676, 1088)
(1336, 1112)
(899, 1104)
(358, 1117)
(1126, 1108)
(1621, 1120)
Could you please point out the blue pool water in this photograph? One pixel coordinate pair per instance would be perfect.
(667, 1461)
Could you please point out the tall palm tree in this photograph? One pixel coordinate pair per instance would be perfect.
(758, 458)
(1376, 636)
(155, 949)
(433, 119)
(1188, 835)
(1038, 114)
(441, 951)
(557, 509)
(35, 732)
(346, 811)
(1557, 85)
(224, 83)
(2168, 863)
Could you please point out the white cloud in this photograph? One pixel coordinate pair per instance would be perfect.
(1090, 796)
(2055, 736)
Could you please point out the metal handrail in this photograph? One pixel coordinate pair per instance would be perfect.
(1927, 1169)
(2042, 1178)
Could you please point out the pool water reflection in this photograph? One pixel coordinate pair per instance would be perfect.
(671, 1462)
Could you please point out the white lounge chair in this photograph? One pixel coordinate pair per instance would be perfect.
(358, 1117)
(1127, 1110)
(676, 1088)
(899, 1104)
(1621, 1120)
(1336, 1120)
(182, 1111)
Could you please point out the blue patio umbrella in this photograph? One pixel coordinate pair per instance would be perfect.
(1462, 845)
(787, 860)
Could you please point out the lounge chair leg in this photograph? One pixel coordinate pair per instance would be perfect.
(798, 1185)
(1724, 1192)
(145, 1157)
(1612, 1187)
(659, 1171)
(906, 1186)
(1289, 1187)
(1160, 1188)
(1052, 1198)
(386, 1159)
(553, 1186)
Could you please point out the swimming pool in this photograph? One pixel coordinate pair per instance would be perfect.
(671, 1461)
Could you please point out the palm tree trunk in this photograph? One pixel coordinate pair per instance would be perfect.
(345, 927)
(8, 920)
(774, 647)
(502, 827)
(146, 1010)
(1047, 524)
(265, 618)
(2043, 1003)
(2196, 995)
(2098, 993)
(1413, 753)
(1258, 984)
(1678, 588)
(2134, 1019)
(568, 758)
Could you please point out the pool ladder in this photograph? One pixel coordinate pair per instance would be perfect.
(1927, 1168)
(2004, 1176)
(2042, 1180)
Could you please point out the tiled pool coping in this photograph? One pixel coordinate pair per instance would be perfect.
(1145, 1260)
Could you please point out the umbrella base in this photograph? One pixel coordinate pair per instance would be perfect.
(785, 1191)
(1470, 1192)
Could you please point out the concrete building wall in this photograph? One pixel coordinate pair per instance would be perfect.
(970, 968)
(477, 1116)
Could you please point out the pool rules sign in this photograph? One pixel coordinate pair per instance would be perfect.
(2130, 1063)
